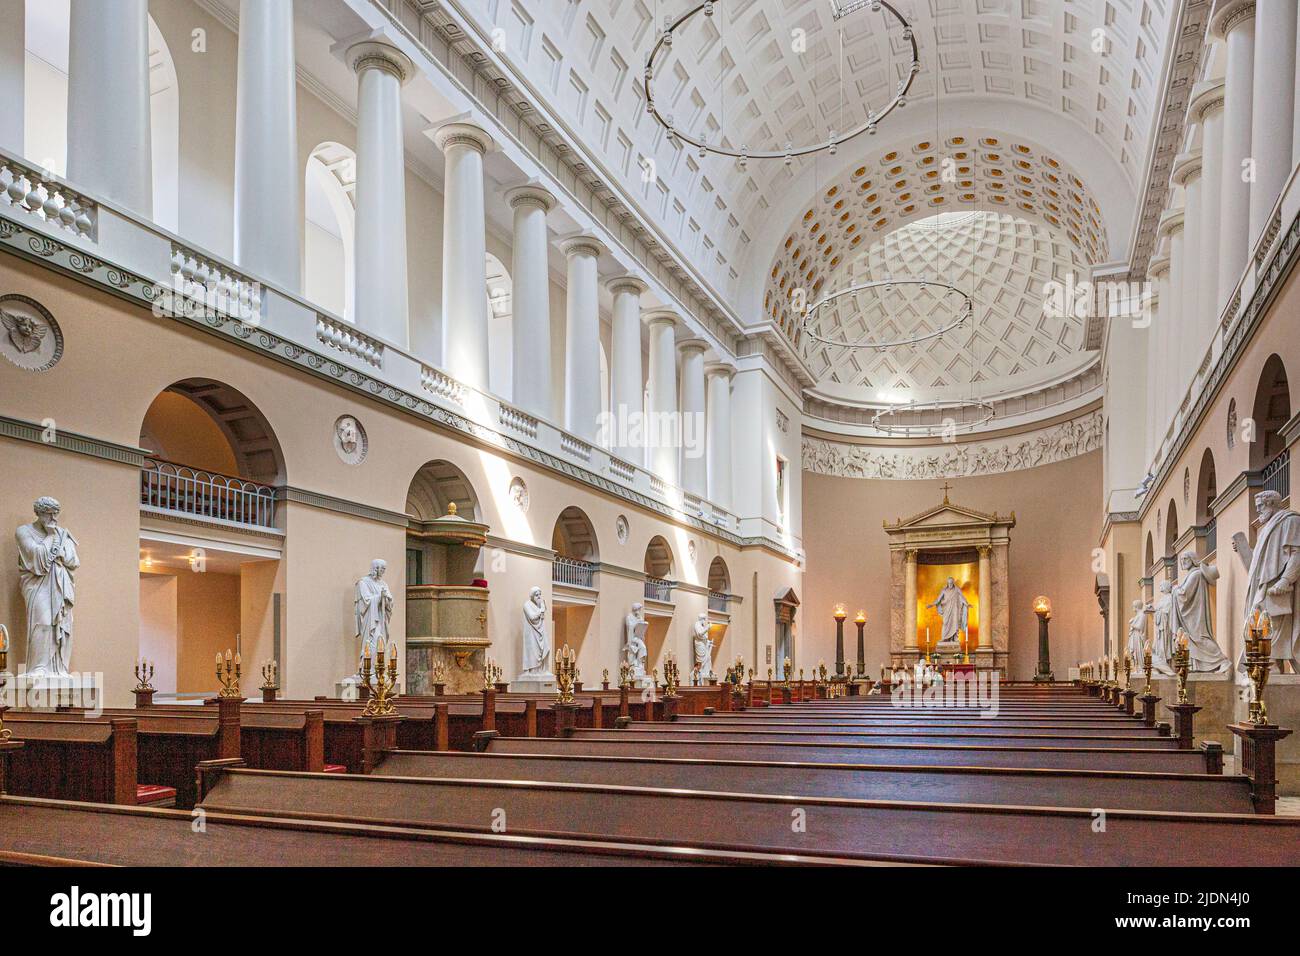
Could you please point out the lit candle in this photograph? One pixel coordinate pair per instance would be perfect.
(218, 658)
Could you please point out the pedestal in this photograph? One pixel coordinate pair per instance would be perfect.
(1214, 694)
(670, 702)
(269, 694)
(1258, 744)
(1129, 696)
(534, 684)
(46, 693)
(1282, 697)
(1149, 702)
(566, 719)
(1183, 714)
(143, 697)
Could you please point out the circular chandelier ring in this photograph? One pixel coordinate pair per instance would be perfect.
(873, 118)
(966, 311)
(948, 426)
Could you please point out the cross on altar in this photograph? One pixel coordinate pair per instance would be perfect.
(946, 488)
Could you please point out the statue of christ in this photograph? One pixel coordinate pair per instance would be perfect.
(953, 609)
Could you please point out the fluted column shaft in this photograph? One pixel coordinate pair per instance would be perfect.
(379, 287)
(13, 69)
(718, 442)
(694, 464)
(662, 450)
(627, 398)
(986, 600)
(109, 148)
(464, 255)
(1207, 109)
(1272, 107)
(582, 402)
(531, 301)
(1187, 172)
(1155, 273)
(267, 184)
(909, 599)
(1236, 23)
(1171, 297)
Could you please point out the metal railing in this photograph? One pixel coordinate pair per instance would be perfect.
(718, 601)
(657, 589)
(1276, 475)
(204, 494)
(574, 572)
(1212, 537)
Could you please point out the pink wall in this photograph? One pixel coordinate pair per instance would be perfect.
(1057, 528)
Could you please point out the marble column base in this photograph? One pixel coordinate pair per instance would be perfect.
(534, 684)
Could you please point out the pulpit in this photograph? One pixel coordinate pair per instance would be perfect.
(971, 547)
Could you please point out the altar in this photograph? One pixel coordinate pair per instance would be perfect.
(971, 548)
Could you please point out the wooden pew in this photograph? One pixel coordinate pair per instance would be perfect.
(1193, 792)
(919, 735)
(43, 832)
(833, 826)
(907, 754)
(70, 759)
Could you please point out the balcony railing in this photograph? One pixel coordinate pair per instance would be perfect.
(718, 601)
(180, 489)
(1212, 538)
(573, 572)
(657, 589)
(1277, 474)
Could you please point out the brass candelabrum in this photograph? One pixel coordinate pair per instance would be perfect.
(671, 677)
(228, 675)
(1259, 662)
(438, 673)
(625, 674)
(271, 675)
(1146, 666)
(604, 677)
(1128, 670)
(381, 682)
(785, 670)
(491, 673)
(1182, 664)
(566, 673)
(4, 679)
(143, 675)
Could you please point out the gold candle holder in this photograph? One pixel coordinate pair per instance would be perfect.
(566, 673)
(1128, 670)
(1182, 664)
(270, 675)
(229, 676)
(381, 682)
(625, 675)
(1146, 666)
(143, 675)
(671, 678)
(491, 673)
(4, 678)
(438, 673)
(785, 670)
(1259, 662)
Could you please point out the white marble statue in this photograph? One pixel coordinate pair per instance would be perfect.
(537, 647)
(1192, 614)
(1137, 634)
(1273, 567)
(703, 646)
(47, 560)
(1162, 647)
(954, 610)
(634, 646)
(374, 608)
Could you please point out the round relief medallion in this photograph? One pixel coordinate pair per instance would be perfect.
(29, 336)
(621, 529)
(519, 494)
(350, 440)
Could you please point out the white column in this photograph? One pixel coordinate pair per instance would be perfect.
(268, 214)
(626, 401)
(464, 255)
(109, 151)
(582, 404)
(1191, 344)
(909, 600)
(1235, 21)
(986, 597)
(694, 464)
(380, 231)
(1158, 271)
(13, 69)
(718, 442)
(1171, 226)
(531, 298)
(662, 455)
(1207, 109)
(1272, 107)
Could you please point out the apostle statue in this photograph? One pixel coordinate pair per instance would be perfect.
(374, 608)
(634, 646)
(954, 610)
(703, 646)
(1137, 633)
(1162, 648)
(1273, 567)
(1192, 614)
(47, 559)
(537, 648)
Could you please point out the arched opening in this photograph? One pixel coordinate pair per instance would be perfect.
(1149, 564)
(1207, 489)
(501, 325)
(329, 206)
(1272, 410)
(574, 537)
(45, 104)
(1171, 529)
(719, 584)
(573, 584)
(214, 463)
(658, 567)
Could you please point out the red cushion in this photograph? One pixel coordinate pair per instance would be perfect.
(479, 583)
(146, 793)
(335, 768)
